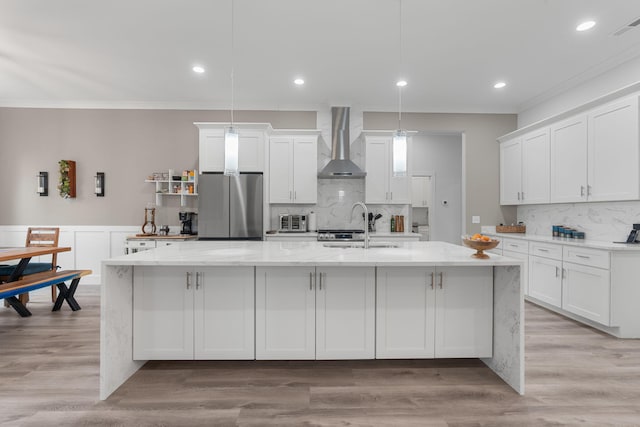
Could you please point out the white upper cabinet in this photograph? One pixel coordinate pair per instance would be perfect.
(250, 149)
(613, 157)
(510, 172)
(293, 169)
(569, 160)
(380, 184)
(524, 169)
(421, 191)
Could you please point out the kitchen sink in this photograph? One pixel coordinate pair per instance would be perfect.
(360, 245)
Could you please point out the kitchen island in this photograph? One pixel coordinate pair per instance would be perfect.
(304, 300)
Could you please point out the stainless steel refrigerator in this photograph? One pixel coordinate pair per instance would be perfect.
(230, 207)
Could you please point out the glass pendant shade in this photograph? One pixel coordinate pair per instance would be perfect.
(231, 152)
(399, 146)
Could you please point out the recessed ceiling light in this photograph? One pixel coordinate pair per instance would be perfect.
(587, 25)
(401, 83)
(299, 82)
(198, 69)
(499, 85)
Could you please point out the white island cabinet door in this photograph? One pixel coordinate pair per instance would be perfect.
(464, 312)
(224, 313)
(586, 291)
(345, 313)
(285, 313)
(162, 313)
(405, 312)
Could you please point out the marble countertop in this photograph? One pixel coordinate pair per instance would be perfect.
(585, 243)
(276, 253)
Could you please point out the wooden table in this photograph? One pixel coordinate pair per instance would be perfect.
(25, 254)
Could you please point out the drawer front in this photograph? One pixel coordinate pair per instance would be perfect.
(545, 250)
(585, 256)
(514, 245)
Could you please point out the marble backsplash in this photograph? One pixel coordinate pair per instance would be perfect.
(604, 221)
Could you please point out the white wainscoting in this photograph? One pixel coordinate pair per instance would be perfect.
(90, 244)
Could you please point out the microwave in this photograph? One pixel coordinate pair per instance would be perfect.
(289, 223)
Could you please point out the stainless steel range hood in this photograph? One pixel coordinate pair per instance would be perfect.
(340, 166)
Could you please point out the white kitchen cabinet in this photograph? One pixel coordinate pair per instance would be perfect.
(345, 313)
(182, 313)
(381, 186)
(614, 147)
(586, 291)
(569, 160)
(162, 314)
(420, 191)
(285, 313)
(524, 169)
(251, 144)
(302, 313)
(293, 169)
(545, 280)
(428, 312)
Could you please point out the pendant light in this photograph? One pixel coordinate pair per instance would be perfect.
(230, 134)
(399, 142)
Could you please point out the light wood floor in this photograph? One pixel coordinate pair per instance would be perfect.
(49, 372)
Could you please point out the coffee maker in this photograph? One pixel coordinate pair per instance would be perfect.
(189, 221)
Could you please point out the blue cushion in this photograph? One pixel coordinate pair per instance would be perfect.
(32, 267)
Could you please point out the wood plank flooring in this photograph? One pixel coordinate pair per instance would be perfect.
(49, 374)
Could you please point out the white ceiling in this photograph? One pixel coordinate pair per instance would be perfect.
(139, 53)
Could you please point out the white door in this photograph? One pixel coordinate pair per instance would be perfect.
(285, 313)
(224, 313)
(211, 150)
(305, 170)
(345, 313)
(535, 167)
(569, 160)
(163, 313)
(280, 170)
(464, 312)
(586, 291)
(377, 167)
(614, 161)
(510, 172)
(405, 312)
(545, 280)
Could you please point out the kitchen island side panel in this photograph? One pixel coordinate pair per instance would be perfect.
(116, 329)
(508, 327)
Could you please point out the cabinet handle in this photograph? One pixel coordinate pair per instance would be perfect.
(556, 271)
(310, 281)
(543, 250)
(198, 280)
(188, 280)
(386, 195)
(295, 195)
(518, 195)
(391, 195)
(582, 191)
(564, 273)
(583, 256)
(290, 195)
(588, 190)
(325, 278)
(523, 196)
(512, 245)
(441, 279)
(433, 278)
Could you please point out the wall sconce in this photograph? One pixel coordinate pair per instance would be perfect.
(99, 184)
(43, 183)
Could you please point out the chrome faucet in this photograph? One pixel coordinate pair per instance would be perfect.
(366, 221)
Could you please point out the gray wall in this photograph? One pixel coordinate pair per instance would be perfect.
(125, 144)
(481, 158)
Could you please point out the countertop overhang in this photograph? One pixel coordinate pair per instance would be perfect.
(265, 253)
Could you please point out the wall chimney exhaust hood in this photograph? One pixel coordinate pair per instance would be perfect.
(340, 166)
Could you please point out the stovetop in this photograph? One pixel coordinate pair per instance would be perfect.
(340, 230)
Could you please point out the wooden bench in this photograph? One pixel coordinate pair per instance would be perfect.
(31, 282)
